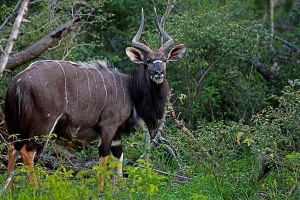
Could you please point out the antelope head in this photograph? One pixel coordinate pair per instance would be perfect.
(154, 61)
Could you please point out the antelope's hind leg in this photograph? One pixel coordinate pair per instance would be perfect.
(12, 157)
(107, 136)
(27, 155)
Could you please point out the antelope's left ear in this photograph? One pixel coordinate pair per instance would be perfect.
(135, 55)
(176, 53)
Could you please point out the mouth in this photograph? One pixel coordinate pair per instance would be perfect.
(158, 78)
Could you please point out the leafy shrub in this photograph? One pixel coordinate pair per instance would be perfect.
(142, 182)
(242, 152)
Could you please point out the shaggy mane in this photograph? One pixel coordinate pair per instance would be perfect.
(99, 64)
(149, 98)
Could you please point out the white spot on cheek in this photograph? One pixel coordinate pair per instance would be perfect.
(48, 115)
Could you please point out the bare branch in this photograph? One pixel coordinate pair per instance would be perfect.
(183, 128)
(42, 45)
(13, 35)
(11, 175)
(290, 45)
(272, 16)
(178, 177)
(164, 18)
(169, 41)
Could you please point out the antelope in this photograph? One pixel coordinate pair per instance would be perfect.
(60, 96)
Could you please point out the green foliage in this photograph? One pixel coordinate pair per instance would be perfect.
(277, 135)
(241, 151)
(224, 40)
(143, 181)
(238, 117)
(216, 73)
(63, 184)
(59, 185)
(278, 127)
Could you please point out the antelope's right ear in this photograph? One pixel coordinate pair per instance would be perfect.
(135, 55)
(176, 53)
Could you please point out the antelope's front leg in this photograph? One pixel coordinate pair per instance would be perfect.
(104, 151)
(117, 151)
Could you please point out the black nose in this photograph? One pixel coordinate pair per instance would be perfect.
(159, 71)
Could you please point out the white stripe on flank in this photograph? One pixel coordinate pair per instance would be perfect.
(18, 94)
(43, 82)
(52, 129)
(100, 141)
(115, 83)
(90, 91)
(105, 90)
(122, 88)
(66, 93)
(96, 86)
(77, 90)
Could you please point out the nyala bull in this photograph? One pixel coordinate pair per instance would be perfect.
(63, 96)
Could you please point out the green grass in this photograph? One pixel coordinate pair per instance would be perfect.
(232, 180)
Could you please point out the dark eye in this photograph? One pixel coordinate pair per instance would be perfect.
(148, 61)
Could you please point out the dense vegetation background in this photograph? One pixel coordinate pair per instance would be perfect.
(236, 90)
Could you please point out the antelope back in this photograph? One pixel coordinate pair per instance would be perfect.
(80, 95)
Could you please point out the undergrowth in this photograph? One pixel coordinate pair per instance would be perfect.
(219, 160)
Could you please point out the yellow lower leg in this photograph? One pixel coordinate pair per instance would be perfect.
(119, 166)
(103, 163)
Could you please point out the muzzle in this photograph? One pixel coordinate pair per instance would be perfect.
(158, 76)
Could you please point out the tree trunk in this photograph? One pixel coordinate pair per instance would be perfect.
(13, 35)
(41, 46)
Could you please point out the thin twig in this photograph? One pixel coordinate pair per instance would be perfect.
(179, 177)
(4, 140)
(11, 175)
(183, 128)
(163, 20)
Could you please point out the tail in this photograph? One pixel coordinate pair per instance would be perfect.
(16, 110)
